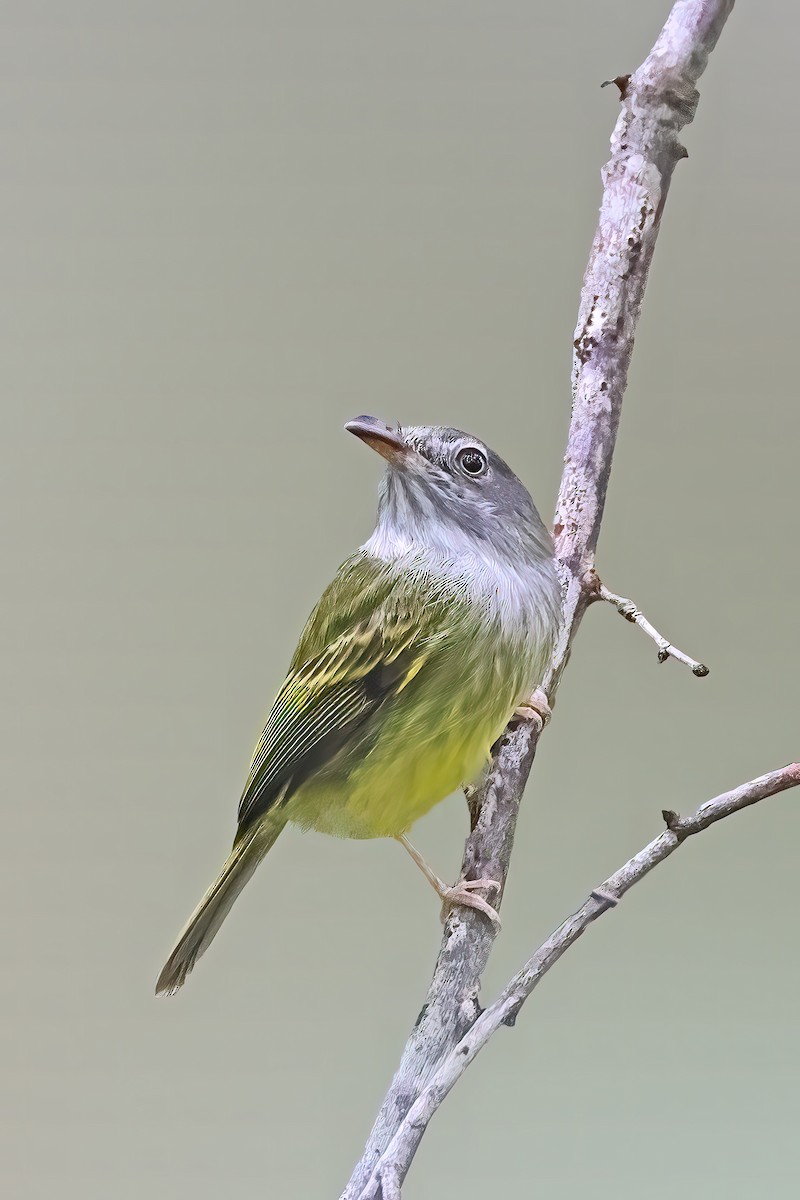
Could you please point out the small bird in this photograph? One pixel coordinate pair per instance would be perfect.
(419, 652)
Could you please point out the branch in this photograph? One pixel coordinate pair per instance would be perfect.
(391, 1168)
(627, 609)
(656, 102)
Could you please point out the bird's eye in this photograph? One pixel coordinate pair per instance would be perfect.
(472, 461)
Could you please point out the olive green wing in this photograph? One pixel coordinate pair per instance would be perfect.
(329, 697)
(360, 589)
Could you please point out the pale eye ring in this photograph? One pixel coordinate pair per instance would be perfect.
(472, 461)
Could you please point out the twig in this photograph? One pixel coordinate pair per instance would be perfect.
(394, 1163)
(627, 609)
(657, 101)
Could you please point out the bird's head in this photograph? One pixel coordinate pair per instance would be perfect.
(446, 488)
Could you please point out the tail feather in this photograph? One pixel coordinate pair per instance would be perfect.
(203, 925)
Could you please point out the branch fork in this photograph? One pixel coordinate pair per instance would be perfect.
(388, 1173)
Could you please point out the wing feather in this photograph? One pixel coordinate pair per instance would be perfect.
(328, 697)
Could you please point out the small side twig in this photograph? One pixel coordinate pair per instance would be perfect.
(627, 609)
(392, 1167)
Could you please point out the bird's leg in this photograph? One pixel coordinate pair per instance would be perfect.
(536, 707)
(462, 892)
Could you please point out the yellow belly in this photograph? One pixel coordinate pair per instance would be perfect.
(388, 792)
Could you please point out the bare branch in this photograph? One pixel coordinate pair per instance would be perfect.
(627, 609)
(657, 101)
(396, 1159)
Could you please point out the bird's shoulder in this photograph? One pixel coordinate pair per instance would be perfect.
(370, 599)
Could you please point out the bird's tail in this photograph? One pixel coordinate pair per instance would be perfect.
(203, 925)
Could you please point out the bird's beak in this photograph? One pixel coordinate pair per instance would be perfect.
(380, 437)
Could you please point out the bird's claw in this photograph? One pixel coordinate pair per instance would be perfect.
(463, 894)
(536, 708)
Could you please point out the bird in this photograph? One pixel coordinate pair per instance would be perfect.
(430, 637)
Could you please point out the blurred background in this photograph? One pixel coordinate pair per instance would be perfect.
(226, 229)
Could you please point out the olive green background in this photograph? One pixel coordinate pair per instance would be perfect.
(226, 228)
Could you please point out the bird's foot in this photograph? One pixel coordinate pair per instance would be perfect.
(463, 894)
(536, 708)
